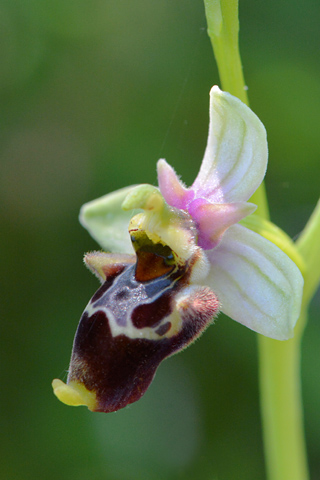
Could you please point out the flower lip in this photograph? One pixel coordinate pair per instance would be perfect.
(141, 314)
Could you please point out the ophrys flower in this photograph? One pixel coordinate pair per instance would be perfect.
(177, 262)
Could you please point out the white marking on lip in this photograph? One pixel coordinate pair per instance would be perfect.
(130, 331)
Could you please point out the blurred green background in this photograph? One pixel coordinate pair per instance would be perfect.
(92, 94)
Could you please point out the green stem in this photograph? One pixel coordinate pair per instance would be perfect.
(281, 407)
(280, 393)
(223, 30)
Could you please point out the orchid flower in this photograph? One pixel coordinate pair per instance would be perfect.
(178, 257)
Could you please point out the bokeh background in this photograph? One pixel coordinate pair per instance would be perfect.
(92, 94)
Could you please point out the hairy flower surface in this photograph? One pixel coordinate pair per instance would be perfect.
(176, 263)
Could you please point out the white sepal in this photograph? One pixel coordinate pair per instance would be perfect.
(236, 155)
(256, 283)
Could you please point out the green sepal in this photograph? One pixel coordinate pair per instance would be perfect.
(308, 246)
(107, 222)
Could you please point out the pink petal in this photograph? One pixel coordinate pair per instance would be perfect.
(172, 189)
(212, 220)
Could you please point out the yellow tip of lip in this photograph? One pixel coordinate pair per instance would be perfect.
(74, 394)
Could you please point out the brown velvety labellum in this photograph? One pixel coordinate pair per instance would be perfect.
(131, 325)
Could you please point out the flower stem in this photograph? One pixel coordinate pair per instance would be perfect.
(280, 393)
(223, 30)
(281, 407)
